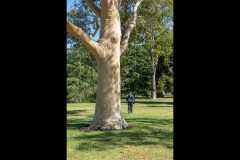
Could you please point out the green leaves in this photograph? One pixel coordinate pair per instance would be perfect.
(135, 71)
(165, 85)
(150, 48)
(81, 75)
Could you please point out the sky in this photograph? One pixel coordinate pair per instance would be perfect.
(69, 5)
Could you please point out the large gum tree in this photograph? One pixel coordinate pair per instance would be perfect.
(107, 52)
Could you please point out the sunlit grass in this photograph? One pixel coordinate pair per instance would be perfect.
(150, 138)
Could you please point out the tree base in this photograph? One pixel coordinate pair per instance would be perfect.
(120, 125)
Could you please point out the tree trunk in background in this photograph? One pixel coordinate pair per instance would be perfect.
(154, 91)
(154, 67)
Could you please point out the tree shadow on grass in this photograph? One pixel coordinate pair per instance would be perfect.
(75, 112)
(76, 124)
(158, 106)
(151, 102)
(154, 102)
(145, 131)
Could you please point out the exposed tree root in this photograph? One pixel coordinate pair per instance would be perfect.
(112, 125)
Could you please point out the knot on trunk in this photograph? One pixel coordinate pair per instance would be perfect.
(114, 38)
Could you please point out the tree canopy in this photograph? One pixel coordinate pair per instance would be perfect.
(150, 47)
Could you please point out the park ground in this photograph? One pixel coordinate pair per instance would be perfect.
(150, 138)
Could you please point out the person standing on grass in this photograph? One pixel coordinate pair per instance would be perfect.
(130, 100)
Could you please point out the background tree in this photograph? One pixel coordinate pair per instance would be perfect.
(81, 75)
(154, 33)
(164, 70)
(135, 71)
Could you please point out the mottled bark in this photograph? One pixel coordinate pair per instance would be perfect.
(107, 52)
(82, 37)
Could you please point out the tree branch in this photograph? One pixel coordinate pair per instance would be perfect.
(83, 37)
(97, 11)
(94, 8)
(96, 25)
(125, 38)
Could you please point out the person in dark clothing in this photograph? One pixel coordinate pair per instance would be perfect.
(130, 100)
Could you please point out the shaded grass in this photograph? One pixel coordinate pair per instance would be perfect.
(151, 135)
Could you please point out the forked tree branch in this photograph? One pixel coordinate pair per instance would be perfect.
(82, 37)
(97, 11)
(125, 38)
(94, 8)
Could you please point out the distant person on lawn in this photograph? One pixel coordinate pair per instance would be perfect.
(130, 100)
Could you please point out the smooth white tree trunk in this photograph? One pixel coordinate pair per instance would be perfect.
(107, 52)
(108, 105)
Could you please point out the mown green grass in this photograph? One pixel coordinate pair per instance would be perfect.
(151, 137)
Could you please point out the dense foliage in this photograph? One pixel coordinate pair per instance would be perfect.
(81, 75)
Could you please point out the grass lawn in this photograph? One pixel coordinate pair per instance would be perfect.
(151, 137)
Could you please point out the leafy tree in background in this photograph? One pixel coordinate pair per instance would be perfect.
(135, 71)
(81, 75)
(165, 64)
(152, 40)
